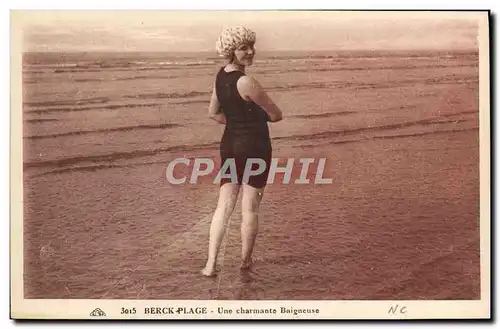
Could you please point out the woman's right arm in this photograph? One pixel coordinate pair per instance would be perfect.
(251, 89)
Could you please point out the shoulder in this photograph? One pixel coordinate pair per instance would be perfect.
(246, 82)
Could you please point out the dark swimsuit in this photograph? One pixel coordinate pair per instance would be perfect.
(246, 134)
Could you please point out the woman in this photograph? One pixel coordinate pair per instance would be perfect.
(239, 102)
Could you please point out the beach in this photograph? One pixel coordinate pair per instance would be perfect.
(400, 220)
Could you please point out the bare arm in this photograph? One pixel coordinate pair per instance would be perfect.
(214, 109)
(250, 89)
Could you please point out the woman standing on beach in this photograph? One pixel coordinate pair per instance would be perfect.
(239, 102)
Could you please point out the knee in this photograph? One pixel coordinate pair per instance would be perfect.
(249, 214)
(250, 208)
(225, 208)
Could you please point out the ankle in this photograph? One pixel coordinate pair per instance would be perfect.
(246, 259)
(210, 264)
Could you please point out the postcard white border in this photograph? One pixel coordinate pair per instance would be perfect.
(80, 309)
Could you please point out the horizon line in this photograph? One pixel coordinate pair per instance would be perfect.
(263, 51)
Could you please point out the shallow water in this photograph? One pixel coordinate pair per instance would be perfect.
(399, 221)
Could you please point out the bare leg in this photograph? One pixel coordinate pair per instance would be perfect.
(249, 222)
(228, 196)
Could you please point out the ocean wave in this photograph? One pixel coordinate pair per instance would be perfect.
(123, 155)
(114, 64)
(187, 148)
(111, 60)
(337, 133)
(437, 132)
(350, 141)
(82, 101)
(84, 69)
(93, 168)
(40, 78)
(142, 77)
(361, 68)
(320, 115)
(312, 64)
(118, 156)
(49, 66)
(459, 113)
(90, 108)
(451, 79)
(191, 102)
(105, 130)
(307, 146)
(169, 95)
(40, 120)
(376, 55)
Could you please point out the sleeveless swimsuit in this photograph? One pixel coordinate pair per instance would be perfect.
(246, 134)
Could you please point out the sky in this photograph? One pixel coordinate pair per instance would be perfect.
(276, 30)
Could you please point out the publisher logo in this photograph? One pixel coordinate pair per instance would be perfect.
(97, 312)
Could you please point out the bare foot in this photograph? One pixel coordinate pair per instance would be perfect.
(246, 264)
(207, 271)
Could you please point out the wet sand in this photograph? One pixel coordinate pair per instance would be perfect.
(399, 221)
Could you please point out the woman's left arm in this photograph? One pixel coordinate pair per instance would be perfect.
(214, 109)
